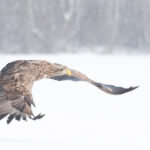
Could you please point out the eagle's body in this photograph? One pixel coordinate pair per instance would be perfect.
(17, 78)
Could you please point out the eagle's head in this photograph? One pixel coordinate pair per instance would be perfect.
(61, 70)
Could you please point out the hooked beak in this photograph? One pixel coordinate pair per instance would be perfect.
(68, 72)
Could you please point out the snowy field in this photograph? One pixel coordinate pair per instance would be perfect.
(81, 117)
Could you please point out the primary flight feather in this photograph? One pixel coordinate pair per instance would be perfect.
(17, 78)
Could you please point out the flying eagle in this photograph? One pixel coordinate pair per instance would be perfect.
(17, 78)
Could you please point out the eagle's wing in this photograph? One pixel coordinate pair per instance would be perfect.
(78, 76)
(15, 105)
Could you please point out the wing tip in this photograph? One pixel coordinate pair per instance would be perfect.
(133, 88)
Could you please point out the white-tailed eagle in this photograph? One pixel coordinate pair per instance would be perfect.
(17, 78)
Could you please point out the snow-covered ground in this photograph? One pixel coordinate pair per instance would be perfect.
(78, 115)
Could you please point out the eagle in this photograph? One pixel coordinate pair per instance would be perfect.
(17, 78)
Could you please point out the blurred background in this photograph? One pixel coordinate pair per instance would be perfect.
(78, 34)
(71, 26)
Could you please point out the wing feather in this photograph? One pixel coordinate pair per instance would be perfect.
(111, 89)
(16, 108)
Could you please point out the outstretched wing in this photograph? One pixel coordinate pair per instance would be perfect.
(78, 76)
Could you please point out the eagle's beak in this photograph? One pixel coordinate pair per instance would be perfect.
(68, 72)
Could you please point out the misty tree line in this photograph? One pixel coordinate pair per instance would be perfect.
(49, 26)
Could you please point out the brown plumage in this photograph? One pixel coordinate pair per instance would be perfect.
(16, 80)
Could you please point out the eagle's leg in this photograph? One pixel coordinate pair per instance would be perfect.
(39, 116)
